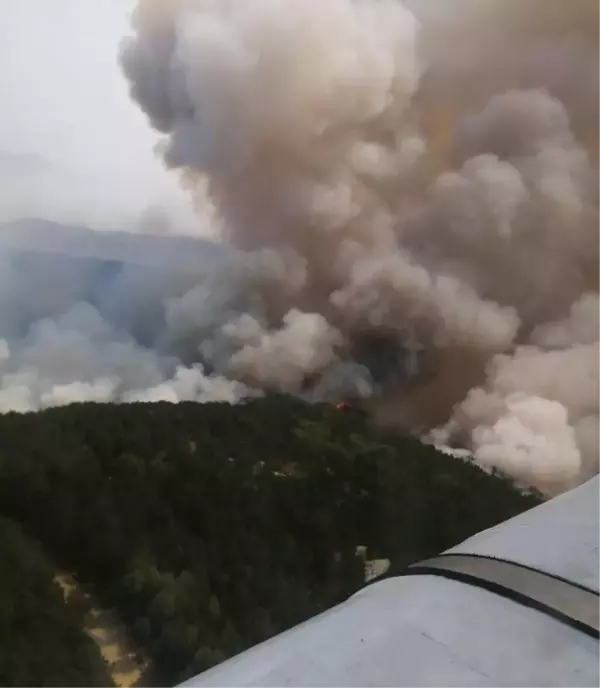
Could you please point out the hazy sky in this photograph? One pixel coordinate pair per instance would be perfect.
(65, 99)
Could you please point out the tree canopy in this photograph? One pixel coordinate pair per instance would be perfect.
(42, 642)
(211, 527)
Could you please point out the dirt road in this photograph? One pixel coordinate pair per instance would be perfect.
(111, 636)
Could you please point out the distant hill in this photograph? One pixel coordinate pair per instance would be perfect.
(211, 527)
(48, 267)
(43, 236)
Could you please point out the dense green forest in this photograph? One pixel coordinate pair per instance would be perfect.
(42, 642)
(211, 527)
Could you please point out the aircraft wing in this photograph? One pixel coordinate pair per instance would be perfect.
(427, 629)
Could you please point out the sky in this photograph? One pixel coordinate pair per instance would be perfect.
(88, 150)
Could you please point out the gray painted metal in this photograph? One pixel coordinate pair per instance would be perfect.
(568, 602)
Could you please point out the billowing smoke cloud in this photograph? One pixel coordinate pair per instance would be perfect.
(410, 225)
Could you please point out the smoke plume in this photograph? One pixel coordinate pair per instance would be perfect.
(411, 210)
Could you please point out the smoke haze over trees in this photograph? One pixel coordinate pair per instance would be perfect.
(407, 222)
(393, 205)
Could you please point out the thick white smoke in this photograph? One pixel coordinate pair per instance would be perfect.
(436, 258)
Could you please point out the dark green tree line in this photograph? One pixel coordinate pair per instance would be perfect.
(42, 641)
(211, 527)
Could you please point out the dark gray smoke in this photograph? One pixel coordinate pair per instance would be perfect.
(410, 224)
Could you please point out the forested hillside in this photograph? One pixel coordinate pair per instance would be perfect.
(211, 527)
(42, 642)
